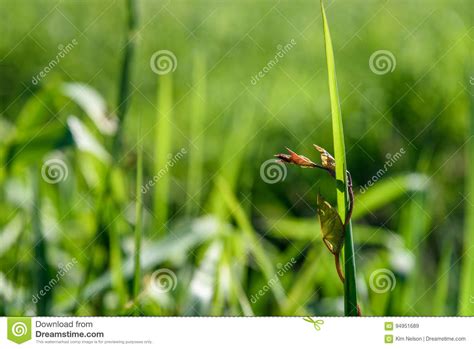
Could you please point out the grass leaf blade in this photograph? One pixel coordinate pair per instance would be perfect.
(466, 305)
(350, 291)
(138, 223)
(162, 150)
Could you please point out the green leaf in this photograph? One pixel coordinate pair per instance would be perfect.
(332, 228)
(10, 232)
(93, 104)
(387, 191)
(350, 291)
(85, 140)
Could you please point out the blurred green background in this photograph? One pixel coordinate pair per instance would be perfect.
(224, 232)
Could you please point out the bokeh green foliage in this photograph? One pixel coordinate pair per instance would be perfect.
(225, 243)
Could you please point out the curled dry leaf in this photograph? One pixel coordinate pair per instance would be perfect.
(327, 160)
(332, 228)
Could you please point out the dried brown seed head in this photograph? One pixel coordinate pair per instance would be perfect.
(296, 159)
(327, 160)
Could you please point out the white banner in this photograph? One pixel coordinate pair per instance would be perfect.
(237, 332)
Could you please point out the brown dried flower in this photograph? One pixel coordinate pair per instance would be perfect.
(296, 159)
(327, 160)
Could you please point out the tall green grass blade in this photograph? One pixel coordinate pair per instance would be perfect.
(241, 297)
(466, 305)
(235, 275)
(263, 261)
(350, 291)
(204, 282)
(414, 225)
(10, 233)
(440, 299)
(41, 273)
(231, 159)
(115, 257)
(106, 204)
(124, 87)
(304, 282)
(137, 275)
(162, 152)
(196, 153)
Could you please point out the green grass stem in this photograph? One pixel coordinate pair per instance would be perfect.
(350, 290)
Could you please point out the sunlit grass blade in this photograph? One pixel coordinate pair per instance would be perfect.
(125, 73)
(115, 260)
(466, 305)
(232, 157)
(258, 251)
(387, 191)
(304, 282)
(204, 283)
(350, 291)
(235, 275)
(305, 229)
(196, 153)
(440, 299)
(162, 150)
(415, 223)
(137, 275)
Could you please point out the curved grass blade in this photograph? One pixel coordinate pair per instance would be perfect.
(254, 244)
(387, 191)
